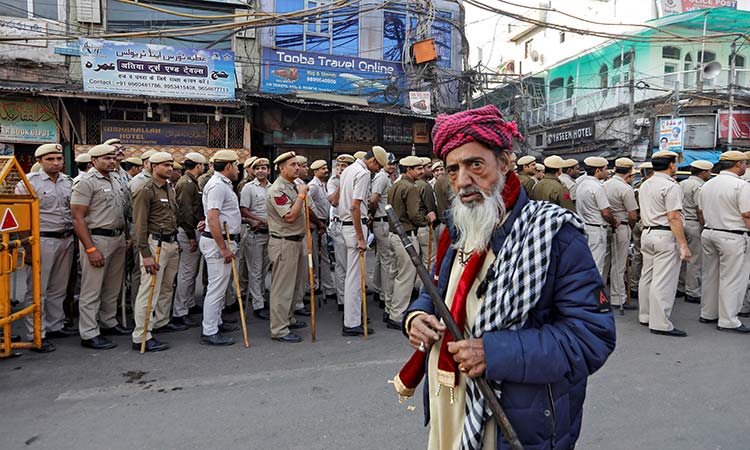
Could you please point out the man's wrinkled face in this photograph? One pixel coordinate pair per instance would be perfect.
(474, 165)
(289, 169)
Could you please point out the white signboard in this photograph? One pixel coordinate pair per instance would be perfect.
(671, 135)
(420, 102)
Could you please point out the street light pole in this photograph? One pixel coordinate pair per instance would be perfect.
(730, 119)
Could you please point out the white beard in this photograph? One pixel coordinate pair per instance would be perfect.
(476, 221)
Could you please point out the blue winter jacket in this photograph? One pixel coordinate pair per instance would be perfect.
(567, 337)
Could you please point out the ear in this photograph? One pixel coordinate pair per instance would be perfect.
(503, 161)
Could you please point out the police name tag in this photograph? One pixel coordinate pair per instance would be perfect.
(164, 200)
(106, 190)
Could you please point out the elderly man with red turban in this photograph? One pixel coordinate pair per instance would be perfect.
(536, 324)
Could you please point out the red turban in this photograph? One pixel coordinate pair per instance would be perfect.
(484, 125)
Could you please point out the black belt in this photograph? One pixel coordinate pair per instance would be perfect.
(56, 234)
(348, 223)
(260, 231)
(380, 219)
(106, 232)
(233, 237)
(288, 238)
(692, 220)
(168, 238)
(658, 227)
(740, 232)
(597, 225)
(335, 219)
(624, 223)
(410, 233)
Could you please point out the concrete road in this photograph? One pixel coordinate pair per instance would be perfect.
(654, 393)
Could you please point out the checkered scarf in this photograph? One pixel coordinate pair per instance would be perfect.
(517, 277)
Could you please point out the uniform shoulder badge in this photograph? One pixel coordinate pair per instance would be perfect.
(603, 304)
(281, 200)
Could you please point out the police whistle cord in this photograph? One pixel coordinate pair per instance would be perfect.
(151, 290)
(237, 290)
(443, 312)
(310, 269)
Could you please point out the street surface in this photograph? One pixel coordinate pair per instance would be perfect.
(655, 392)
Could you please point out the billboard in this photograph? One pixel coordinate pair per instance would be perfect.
(156, 70)
(27, 122)
(290, 71)
(671, 135)
(740, 124)
(670, 7)
(155, 133)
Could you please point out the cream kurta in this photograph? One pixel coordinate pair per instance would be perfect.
(446, 419)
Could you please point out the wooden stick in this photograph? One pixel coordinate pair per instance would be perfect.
(627, 276)
(123, 296)
(429, 247)
(237, 288)
(364, 290)
(442, 311)
(151, 291)
(310, 268)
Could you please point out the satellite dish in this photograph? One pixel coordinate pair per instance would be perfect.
(711, 70)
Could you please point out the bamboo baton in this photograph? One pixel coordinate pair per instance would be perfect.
(310, 269)
(364, 290)
(237, 288)
(443, 312)
(151, 290)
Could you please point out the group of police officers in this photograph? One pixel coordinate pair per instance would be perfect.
(150, 220)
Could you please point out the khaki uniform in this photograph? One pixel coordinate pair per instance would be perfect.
(218, 194)
(320, 206)
(136, 183)
(190, 214)
(637, 263)
(154, 206)
(105, 220)
(551, 189)
(56, 248)
(622, 201)
(382, 282)
(725, 241)
(527, 183)
(203, 180)
(404, 199)
(427, 204)
(339, 246)
(255, 242)
(661, 256)
(355, 185)
(139, 181)
(690, 272)
(591, 200)
(286, 253)
(570, 184)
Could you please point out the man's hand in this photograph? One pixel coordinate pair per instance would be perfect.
(149, 263)
(193, 245)
(425, 329)
(96, 258)
(685, 252)
(469, 354)
(361, 245)
(302, 190)
(321, 228)
(431, 216)
(227, 254)
(202, 226)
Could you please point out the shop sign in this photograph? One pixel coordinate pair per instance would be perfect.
(420, 102)
(290, 71)
(671, 135)
(670, 7)
(571, 135)
(155, 133)
(740, 124)
(156, 70)
(27, 121)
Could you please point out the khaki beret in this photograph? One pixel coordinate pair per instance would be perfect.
(225, 156)
(283, 157)
(36, 167)
(595, 161)
(348, 159)
(539, 166)
(176, 166)
(249, 161)
(525, 160)
(646, 165)
(359, 155)
(196, 158)
(147, 154)
(570, 162)
(437, 165)
(318, 164)
(112, 141)
(160, 157)
(301, 159)
(660, 155)
(426, 161)
(702, 164)
(381, 156)
(625, 163)
(259, 162)
(554, 162)
(134, 160)
(46, 149)
(748, 154)
(83, 158)
(733, 155)
(411, 161)
(101, 150)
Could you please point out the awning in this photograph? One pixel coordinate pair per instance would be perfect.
(328, 102)
(688, 156)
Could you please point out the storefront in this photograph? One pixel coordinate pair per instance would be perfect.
(26, 123)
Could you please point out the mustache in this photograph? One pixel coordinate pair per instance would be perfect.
(469, 191)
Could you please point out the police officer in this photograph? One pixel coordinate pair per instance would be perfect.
(404, 199)
(285, 204)
(334, 229)
(99, 222)
(132, 166)
(550, 188)
(299, 306)
(382, 282)
(53, 188)
(690, 273)
(663, 245)
(142, 178)
(220, 206)
(189, 219)
(320, 207)
(429, 210)
(438, 170)
(250, 174)
(527, 169)
(83, 164)
(155, 209)
(647, 171)
(621, 198)
(593, 207)
(539, 173)
(571, 171)
(255, 242)
(134, 185)
(724, 204)
(353, 205)
(203, 179)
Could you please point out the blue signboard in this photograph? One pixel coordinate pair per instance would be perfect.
(156, 70)
(290, 71)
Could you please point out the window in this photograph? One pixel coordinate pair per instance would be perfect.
(620, 61)
(569, 89)
(557, 83)
(556, 90)
(562, 37)
(326, 34)
(45, 9)
(527, 48)
(707, 57)
(689, 78)
(400, 29)
(739, 74)
(539, 140)
(604, 79)
(670, 53)
(670, 77)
